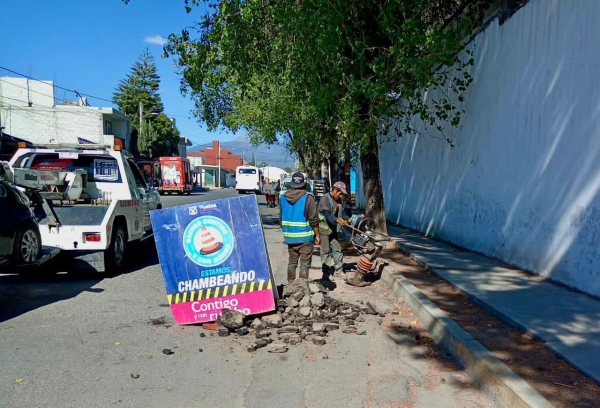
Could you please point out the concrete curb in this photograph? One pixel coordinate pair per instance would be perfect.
(494, 377)
(551, 343)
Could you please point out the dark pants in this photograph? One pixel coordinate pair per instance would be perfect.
(302, 252)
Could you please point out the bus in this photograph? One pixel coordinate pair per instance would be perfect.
(249, 179)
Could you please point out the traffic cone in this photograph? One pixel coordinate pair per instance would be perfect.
(209, 242)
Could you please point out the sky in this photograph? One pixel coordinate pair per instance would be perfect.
(90, 45)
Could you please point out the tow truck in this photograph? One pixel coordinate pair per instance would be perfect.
(90, 201)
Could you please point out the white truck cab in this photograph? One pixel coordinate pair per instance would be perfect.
(91, 202)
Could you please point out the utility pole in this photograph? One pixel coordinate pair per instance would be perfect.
(28, 98)
(219, 164)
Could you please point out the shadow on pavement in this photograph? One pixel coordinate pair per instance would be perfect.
(53, 282)
(529, 357)
(25, 292)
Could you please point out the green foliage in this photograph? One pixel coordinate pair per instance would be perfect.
(140, 86)
(328, 77)
(158, 137)
(263, 164)
(322, 74)
(253, 161)
(289, 170)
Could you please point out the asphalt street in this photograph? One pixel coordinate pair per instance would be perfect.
(69, 339)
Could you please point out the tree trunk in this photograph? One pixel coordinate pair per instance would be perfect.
(375, 207)
(347, 168)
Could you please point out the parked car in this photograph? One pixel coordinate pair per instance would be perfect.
(20, 241)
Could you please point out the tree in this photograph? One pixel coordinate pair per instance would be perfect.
(253, 161)
(263, 164)
(158, 136)
(331, 77)
(288, 169)
(140, 86)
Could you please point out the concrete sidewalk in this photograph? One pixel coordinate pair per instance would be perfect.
(567, 320)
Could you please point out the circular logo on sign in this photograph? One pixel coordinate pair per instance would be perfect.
(208, 241)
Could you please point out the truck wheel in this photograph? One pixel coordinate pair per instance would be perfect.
(116, 254)
(27, 245)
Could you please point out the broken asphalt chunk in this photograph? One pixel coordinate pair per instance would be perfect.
(314, 288)
(231, 319)
(263, 334)
(319, 341)
(304, 311)
(277, 348)
(273, 320)
(261, 343)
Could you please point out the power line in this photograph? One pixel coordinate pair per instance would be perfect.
(39, 122)
(68, 90)
(31, 90)
(29, 111)
(12, 99)
(56, 86)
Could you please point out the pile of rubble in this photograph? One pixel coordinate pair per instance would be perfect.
(305, 313)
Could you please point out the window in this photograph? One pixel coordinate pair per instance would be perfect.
(247, 171)
(99, 168)
(108, 128)
(139, 180)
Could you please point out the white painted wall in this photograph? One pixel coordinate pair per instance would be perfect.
(21, 91)
(273, 173)
(63, 124)
(523, 182)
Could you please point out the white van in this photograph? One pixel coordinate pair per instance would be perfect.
(248, 179)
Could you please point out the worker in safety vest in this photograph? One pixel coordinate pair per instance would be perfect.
(330, 215)
(300, 226)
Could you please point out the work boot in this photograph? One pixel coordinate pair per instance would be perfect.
(327, 273)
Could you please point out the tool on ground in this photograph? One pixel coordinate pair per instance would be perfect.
(369, 244)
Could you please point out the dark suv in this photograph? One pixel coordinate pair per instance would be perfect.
(20, 240)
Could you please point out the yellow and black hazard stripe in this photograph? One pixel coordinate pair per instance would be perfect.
(220, 291)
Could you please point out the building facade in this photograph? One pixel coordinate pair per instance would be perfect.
(182, 146)
(229, 161)
(28, 111)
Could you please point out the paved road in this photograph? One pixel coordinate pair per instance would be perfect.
(75, 340)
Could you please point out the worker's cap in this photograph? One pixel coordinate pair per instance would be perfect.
(298, 180)
(340, 185)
